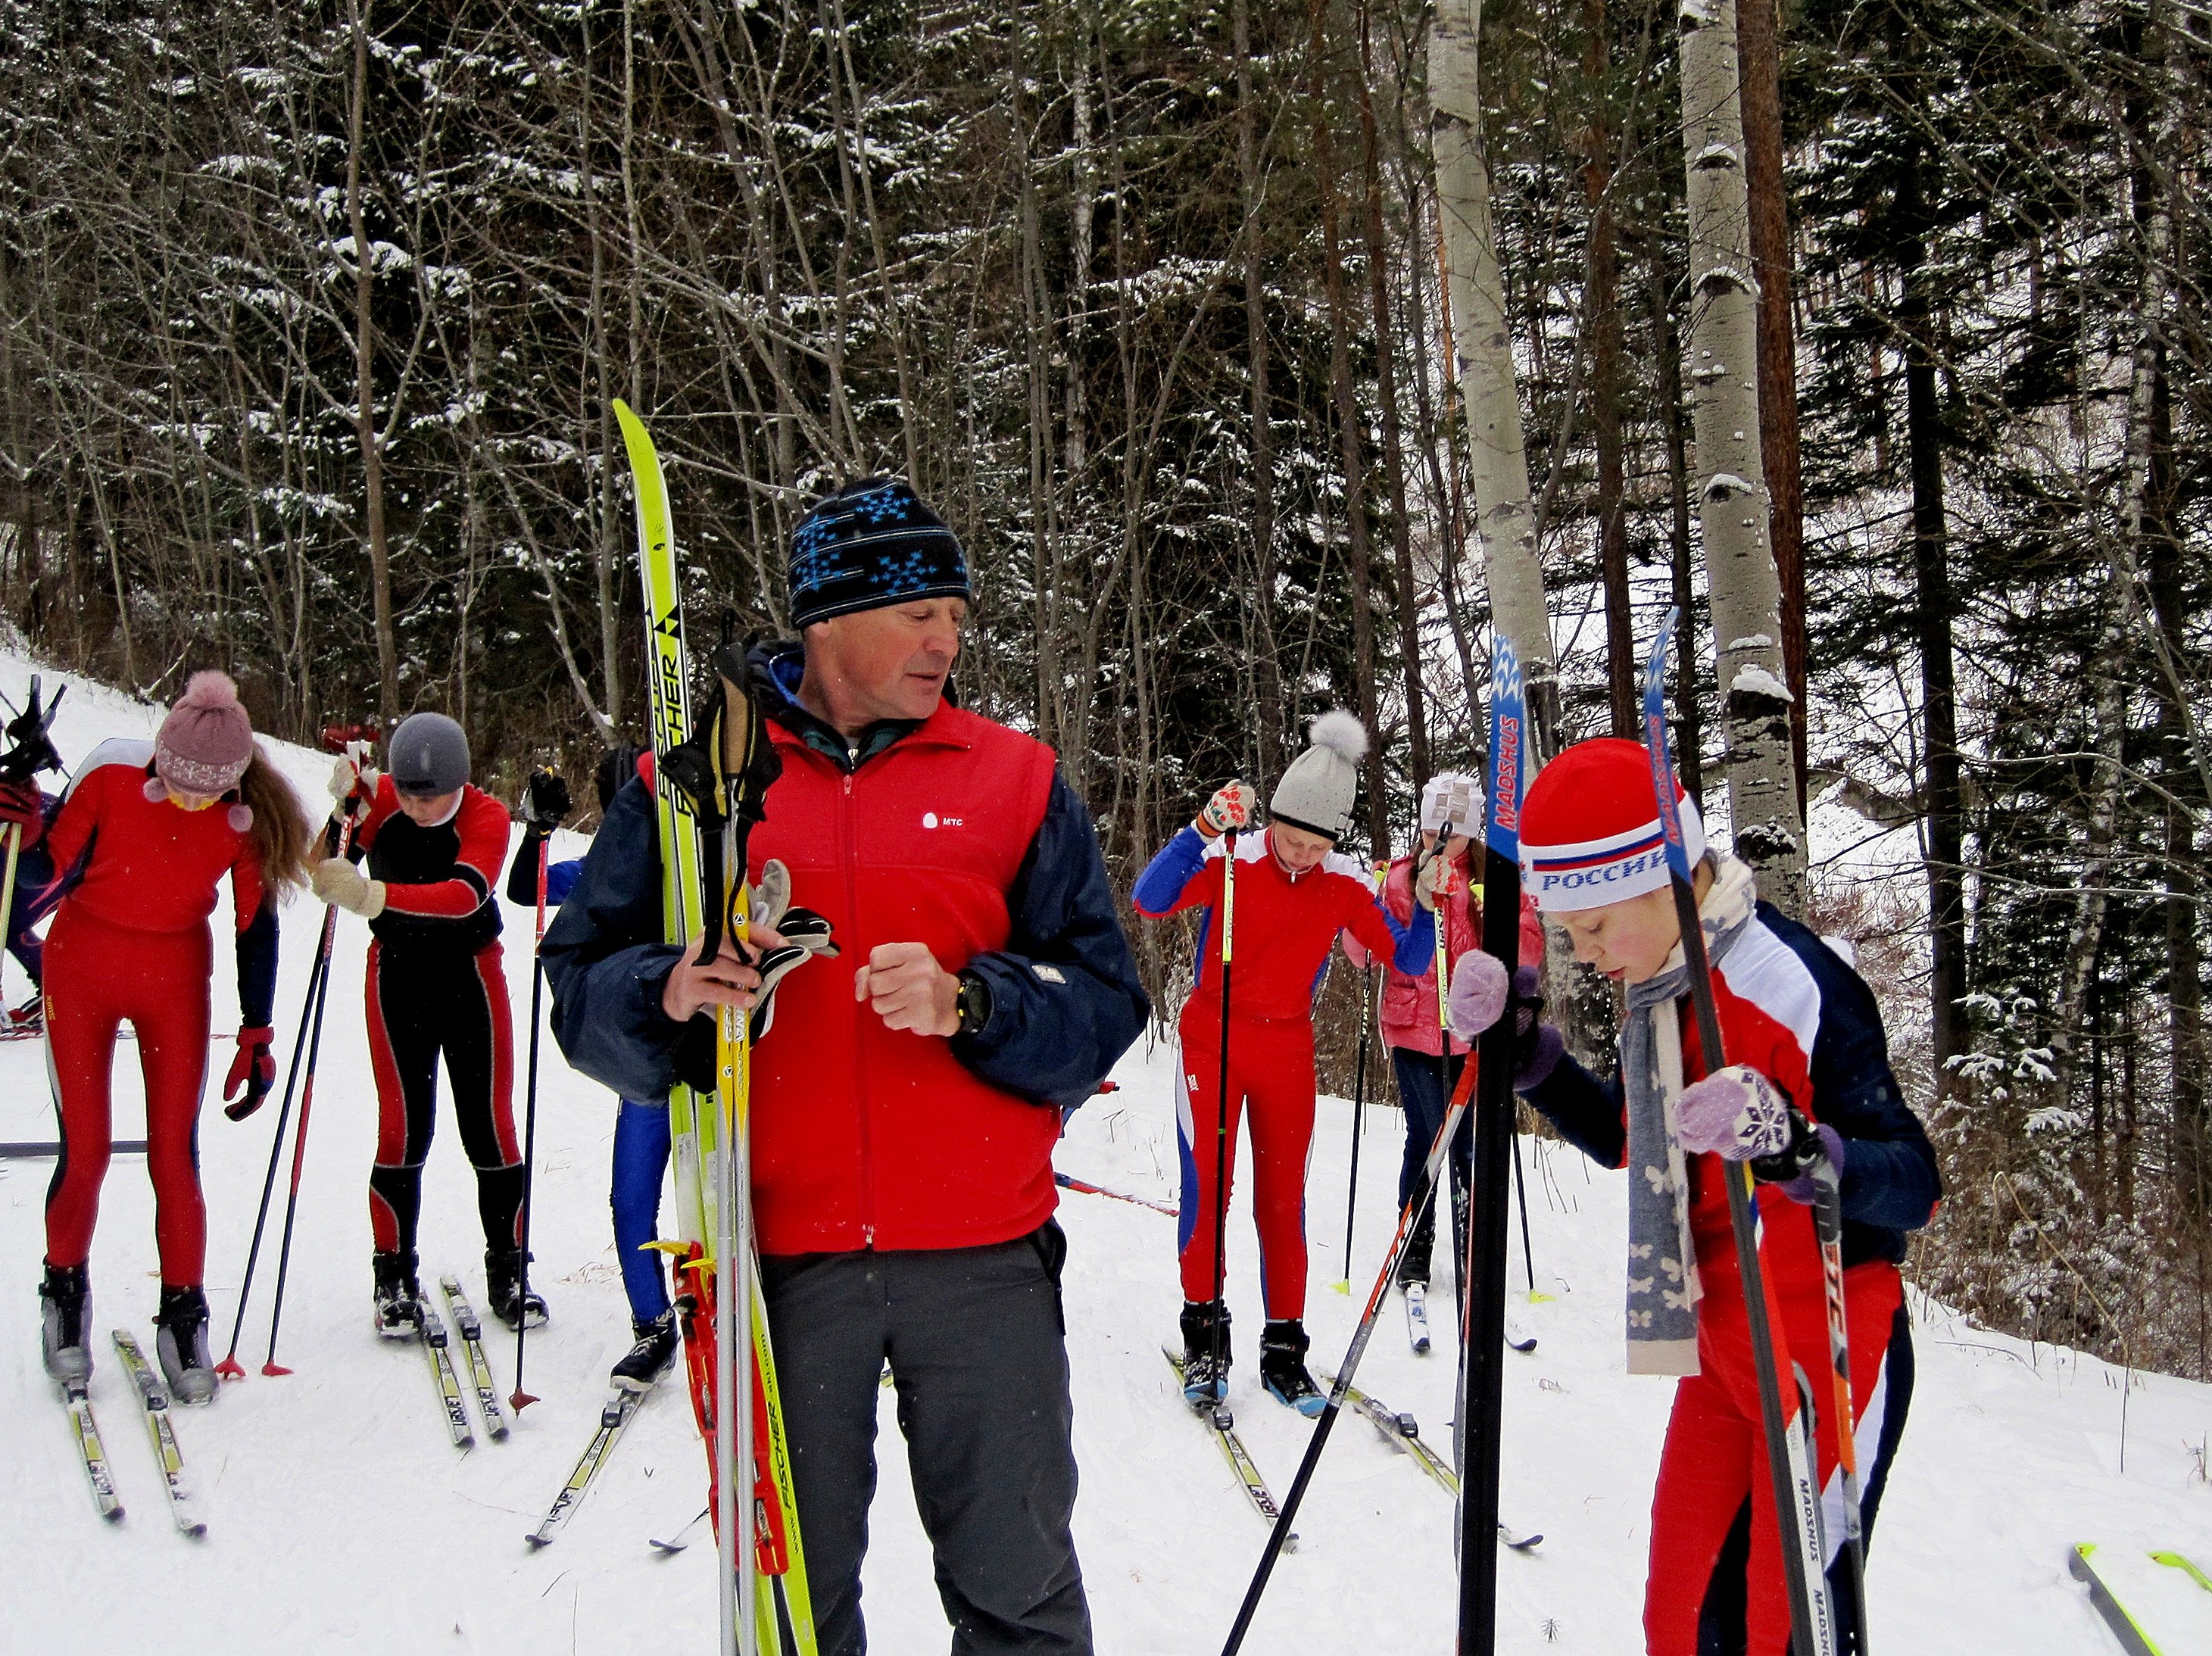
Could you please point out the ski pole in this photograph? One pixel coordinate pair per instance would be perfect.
(1360, 1101)
(1796, 1498)
(519, 1399)
(230, 1368)
(1828, 1227)
(270, 1365)
(1483, 1264)
(1221, 1129)
(1521, 1190)
(320, 995)
(1408, 1216)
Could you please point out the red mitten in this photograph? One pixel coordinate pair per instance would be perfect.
(23, 805)
(254, 1068)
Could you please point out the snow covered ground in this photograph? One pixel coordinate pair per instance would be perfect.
(341, 1520)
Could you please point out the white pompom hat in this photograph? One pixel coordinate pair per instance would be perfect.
(1317, 790)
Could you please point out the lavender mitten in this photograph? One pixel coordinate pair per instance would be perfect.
(1477, 995)
(1734, 1112)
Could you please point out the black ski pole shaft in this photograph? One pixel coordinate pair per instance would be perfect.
(270, 1365)
(519, 1398)
(1358, 1121)
(1520, 1191)
(229, 1368)
(1221, 1126)
(1796, 1501)
(1483, 1263)
(1408, 1217)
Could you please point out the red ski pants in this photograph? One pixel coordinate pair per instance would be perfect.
(1271, 1070)
(1715, 1462)
(97, 974)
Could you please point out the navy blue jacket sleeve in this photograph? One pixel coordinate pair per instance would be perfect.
(1890, 1183)
(1585, 1108)
(607, 966)
(1066, 1000)
(256, 969)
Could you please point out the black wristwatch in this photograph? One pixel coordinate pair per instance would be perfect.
(975, 1003)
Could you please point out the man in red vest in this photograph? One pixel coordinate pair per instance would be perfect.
(908, 1093)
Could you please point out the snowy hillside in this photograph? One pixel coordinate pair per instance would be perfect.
(340, 1519)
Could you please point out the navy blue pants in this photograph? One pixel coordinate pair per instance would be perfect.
(641, 1163)
(1425, 1087)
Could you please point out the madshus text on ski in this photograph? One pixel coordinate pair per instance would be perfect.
(846, 954)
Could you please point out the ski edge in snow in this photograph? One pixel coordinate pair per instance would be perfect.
(1239, 1459)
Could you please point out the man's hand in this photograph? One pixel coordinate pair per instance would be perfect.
(726, 980)
(909, 990)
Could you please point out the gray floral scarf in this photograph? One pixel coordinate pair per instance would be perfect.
(1663, 1288)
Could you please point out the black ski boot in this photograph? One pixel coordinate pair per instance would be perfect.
(1205, 1362)
(649, 1359)
(180, 1342)
(1283, 1366)
(399, 1297)
(1413, 1263)
(510, 1302)
(65, 1305)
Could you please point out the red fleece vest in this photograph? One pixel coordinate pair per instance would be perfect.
(865, 1137)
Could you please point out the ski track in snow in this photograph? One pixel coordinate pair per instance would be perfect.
(341, 1520)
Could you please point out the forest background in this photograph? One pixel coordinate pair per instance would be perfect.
(1147, 296)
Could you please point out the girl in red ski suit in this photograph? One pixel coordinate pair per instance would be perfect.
(1801, 1030)
(1409, 1019)
(145, 833)
(1285, 922)
(436, 986)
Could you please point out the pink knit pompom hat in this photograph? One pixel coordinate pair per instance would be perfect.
(207, 741)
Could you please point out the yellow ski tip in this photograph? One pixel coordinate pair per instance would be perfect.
(1343, 1288)
(1542, 1299)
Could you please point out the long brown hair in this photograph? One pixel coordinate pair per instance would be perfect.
(281, 831)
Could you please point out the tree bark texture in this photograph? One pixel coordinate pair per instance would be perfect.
(1497, 462)
(1732, 507)
(1759, 39)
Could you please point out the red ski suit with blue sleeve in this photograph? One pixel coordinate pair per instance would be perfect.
(1793, 1010)
(1285, 924)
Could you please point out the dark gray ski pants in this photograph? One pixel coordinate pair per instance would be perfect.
(977, 1348)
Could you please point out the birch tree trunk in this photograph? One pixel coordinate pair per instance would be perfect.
(1732, 506)
(2155, 239)
(1497, 464)
(372, 452)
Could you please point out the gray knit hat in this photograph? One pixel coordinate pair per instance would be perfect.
(1317, 790)
(429, 755)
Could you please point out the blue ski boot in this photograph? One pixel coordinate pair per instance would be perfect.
(1283, 1366)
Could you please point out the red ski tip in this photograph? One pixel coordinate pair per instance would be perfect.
(520, 1400)
(272, 1368)
(230, 1368)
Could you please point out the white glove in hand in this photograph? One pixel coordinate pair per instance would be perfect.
(1231, 807)
(337, 880)
(353, 780)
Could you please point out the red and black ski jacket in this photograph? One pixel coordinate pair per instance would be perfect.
(438, 882)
